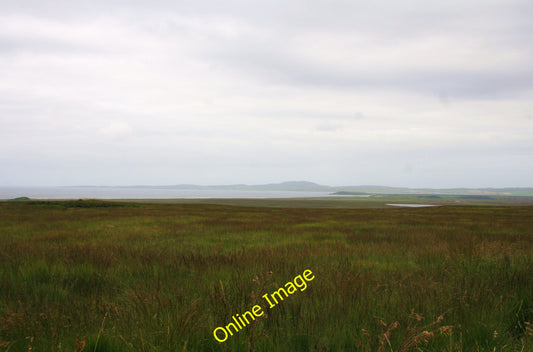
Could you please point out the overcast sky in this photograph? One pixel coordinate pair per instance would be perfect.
(396, 93)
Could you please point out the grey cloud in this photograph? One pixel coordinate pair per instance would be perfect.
(498, 28)
(391, 16)
(302, 114)
(454, 84)
(248, 91)
(9, 46)
(280, 69)
(328, 127)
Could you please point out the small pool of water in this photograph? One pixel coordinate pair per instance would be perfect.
(412, 205)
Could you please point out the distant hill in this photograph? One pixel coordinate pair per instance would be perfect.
(19, 199)
(307, 186)
(450, 191)
(283, 186)
(294, 186)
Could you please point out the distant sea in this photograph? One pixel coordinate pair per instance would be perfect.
(143, 192)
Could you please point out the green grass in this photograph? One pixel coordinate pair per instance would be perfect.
(116, 276)
(373, 201)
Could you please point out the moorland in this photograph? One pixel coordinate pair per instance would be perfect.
(91, 275)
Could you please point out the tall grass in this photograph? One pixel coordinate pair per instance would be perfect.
(99, 276)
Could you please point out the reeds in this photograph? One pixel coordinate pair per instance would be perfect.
(162, 277)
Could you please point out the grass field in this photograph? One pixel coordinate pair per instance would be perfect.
(113, 276)
(374, 201)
